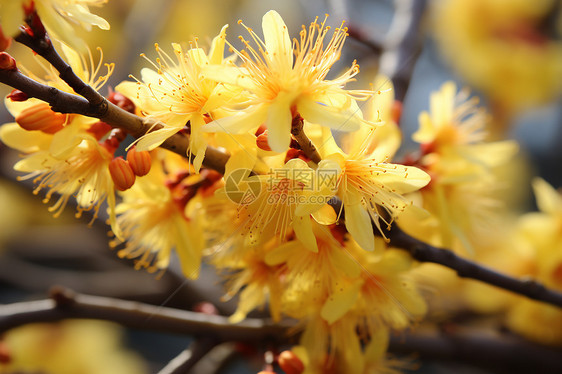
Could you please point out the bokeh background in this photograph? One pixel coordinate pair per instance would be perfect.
(37, 251)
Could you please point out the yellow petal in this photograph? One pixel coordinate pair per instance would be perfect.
(340, 302)
(217, 47)
(324, 115)
(154, 139)
(358, 223)
(24, 141)
(548, 199)
(239, 123)
(303, 230)
(277, 40)
(279, 119)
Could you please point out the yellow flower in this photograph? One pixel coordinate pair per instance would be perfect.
(82, 173)
(454, 131)
(177, 93)
(56, 15)
(70, 347)
(463, 197)
(285, 200)
(256, 281)
(541, 232)
(372, 189)
(155, 218)
(312, 277)
(284, 78)
(497, 46)
(383, 294)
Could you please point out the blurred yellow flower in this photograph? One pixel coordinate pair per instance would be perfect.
(498, 47)
(70, 347)
(58, 17)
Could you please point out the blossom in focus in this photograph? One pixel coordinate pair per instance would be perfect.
(177, 94)
(284, 78)
(371, 188)
(58, 17)
(156, 216)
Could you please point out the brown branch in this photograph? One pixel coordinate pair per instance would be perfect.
(304, 142)
(506, 353)
(107, 112)
(44, 48)
(424, 252)
(498, 350)
(66, 304)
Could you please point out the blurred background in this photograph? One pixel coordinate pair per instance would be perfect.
(508, 53)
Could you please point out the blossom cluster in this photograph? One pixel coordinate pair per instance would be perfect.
(299, 218)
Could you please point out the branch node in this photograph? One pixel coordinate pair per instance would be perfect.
(62, 296)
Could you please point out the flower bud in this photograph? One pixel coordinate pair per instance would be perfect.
(121, 101)
(262, 142)
(121, 173)
(41, 117)
(99, 129)
(17, 95)
(140, 161)
(7, 62)
(290, 363)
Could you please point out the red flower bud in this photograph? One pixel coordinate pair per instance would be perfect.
(41, 117)
(140, 161)
(17, 95)
(290, 363)
(121, 173)
(7, 62)
(121, 101)
(99, 129)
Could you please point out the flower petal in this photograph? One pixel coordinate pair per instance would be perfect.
(277, 40)
(358, 223)
(302, 226)
(340, 302)
(278, 123)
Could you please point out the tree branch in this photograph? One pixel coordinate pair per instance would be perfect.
(305, 143)
(65, 304)
(508, 354)
(424, 252)
(107, 112)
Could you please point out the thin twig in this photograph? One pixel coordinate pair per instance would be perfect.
(66, 304)
(107, 112)
(424, 252)
(305, 143)
(506, 353)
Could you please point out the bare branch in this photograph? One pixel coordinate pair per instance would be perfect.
(305, 143)
(66, 304)
(468, 269)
